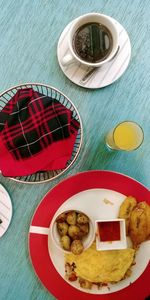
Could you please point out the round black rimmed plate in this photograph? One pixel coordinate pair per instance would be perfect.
(43, 176)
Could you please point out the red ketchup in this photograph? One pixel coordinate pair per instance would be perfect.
(109, 231)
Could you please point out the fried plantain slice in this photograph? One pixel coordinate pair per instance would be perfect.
(139, 226)
(125, 210)
(147, 210)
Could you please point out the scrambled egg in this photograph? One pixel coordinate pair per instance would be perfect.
(102, 266)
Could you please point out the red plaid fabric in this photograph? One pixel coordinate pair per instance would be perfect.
(31, 123)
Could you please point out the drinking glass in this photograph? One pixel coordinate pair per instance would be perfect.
(126, 136)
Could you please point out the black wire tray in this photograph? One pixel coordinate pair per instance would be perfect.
(44, 176)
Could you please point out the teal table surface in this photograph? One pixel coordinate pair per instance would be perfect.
(29, 33)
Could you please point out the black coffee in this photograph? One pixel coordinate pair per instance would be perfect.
(92, 42)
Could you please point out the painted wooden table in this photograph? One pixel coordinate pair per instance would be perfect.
(29, 33)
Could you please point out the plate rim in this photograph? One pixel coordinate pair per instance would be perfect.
(11, 207)
(106, 296)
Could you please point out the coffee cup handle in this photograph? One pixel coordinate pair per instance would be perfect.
(67, 59)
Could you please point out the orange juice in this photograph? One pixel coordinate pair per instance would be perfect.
(126, 136)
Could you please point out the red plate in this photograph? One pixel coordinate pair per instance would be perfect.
(38, 243)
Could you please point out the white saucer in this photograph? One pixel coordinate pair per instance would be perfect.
(5, 210)
(103, 76)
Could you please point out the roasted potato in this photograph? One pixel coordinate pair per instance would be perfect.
(125, 210)
(82, 219)
(70, 273)
(74, 232)
(61, 218)
(139, 229)
(72, 225)
(85, 284)
(72, 277)
(84, 229)
(65, 242)
(77, 247)
(71, 218)
(62, 228)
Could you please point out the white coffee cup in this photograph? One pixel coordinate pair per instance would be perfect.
(91, 18)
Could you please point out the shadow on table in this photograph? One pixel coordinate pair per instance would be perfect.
(103, 156)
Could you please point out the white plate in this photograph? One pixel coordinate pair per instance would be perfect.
(5, 210)
(103, 76)
(98, 210)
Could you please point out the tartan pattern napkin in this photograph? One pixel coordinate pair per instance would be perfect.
(31, 123)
